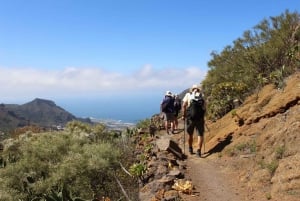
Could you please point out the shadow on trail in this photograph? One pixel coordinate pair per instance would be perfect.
(178, 131)
(220, 146)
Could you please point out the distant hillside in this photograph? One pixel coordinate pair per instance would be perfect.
(40, 112)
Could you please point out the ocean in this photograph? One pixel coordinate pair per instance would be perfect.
(125, 111)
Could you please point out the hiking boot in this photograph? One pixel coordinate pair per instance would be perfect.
(191, 150)
(199, 152)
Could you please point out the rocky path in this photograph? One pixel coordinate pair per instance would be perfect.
(211, 179)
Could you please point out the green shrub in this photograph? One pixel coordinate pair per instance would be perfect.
(145, 123)
(279, 152)
(43, 163)
(138, 170)
(222, 96)
(272, 166)
(248, 147)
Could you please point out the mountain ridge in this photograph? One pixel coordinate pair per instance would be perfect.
(40, 112)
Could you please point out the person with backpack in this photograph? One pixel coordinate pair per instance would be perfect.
(167, 108)
(193, 112)
(177, 108)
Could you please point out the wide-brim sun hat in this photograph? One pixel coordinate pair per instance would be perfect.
(195, 86)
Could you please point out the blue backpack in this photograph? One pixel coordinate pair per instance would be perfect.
(168, 104)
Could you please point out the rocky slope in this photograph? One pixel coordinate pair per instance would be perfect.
(255, 148)
(265, 149)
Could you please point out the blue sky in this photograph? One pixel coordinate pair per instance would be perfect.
(89, 50)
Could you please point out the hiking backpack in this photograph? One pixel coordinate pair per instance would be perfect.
(196, 109)
(167, 104)
(177, 104)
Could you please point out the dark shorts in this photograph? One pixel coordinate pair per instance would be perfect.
(169, 116)
(191, 125)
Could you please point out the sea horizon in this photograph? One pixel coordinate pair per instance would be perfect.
(126, 110)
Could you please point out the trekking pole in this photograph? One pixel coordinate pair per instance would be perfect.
(206, 127)
(203, 143)
(204, 138)
(184, 136)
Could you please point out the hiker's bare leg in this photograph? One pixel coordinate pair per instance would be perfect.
(190, 140)
(200, 141)
(176, 123)
(172, 123)
(166, 126)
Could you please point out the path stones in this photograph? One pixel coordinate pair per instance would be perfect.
(163, 169)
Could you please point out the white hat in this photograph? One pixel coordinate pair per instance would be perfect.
(195, 86)
(168, 93)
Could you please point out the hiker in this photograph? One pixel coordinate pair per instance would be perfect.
(152, 127)
(177, 108)
(193, 112)
(167, 108)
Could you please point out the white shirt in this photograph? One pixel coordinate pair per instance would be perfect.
(189, 96)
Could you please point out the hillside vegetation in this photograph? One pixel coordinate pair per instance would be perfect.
(267, 54)
(83, 162)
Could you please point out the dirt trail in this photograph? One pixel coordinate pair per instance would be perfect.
(211, 179)
(213, 182)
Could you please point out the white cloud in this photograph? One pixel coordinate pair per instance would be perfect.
(71, 81)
